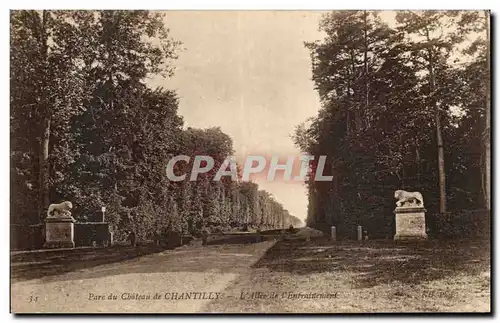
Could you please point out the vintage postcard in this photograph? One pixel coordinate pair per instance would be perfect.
(250, 161)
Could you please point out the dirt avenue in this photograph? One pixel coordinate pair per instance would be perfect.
(318, 276)
(183, 280)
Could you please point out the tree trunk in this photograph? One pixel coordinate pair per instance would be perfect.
(442, 175)
(44, 166)
(357, 108)
(439, 133)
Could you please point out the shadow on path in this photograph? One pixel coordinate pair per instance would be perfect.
(216, 258)
(40, 264)
(379, 262)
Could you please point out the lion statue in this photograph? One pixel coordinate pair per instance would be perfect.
(61, 209)
(404, 197)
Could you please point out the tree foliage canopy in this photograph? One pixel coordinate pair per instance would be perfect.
(109, 135)
(377, 124)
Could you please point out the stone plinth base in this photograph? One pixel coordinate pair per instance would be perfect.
(410, 224)
(59, 232)
(59, 244)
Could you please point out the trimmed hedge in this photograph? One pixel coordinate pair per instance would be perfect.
(86, 233)
(27, 237)
(466, 224)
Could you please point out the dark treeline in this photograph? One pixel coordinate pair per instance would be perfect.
(85, 127)
(403, 107)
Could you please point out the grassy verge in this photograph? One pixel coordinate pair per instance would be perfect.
(373, 276)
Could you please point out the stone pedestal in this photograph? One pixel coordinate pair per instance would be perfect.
(59, 232)
(410, 223)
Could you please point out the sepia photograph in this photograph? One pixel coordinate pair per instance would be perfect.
(250, 161)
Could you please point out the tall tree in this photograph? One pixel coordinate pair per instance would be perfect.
(46, 89)
(433, 46)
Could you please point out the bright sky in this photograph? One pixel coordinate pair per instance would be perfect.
(249, 73)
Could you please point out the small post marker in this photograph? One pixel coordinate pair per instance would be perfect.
(333, 233)
(360, 233)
